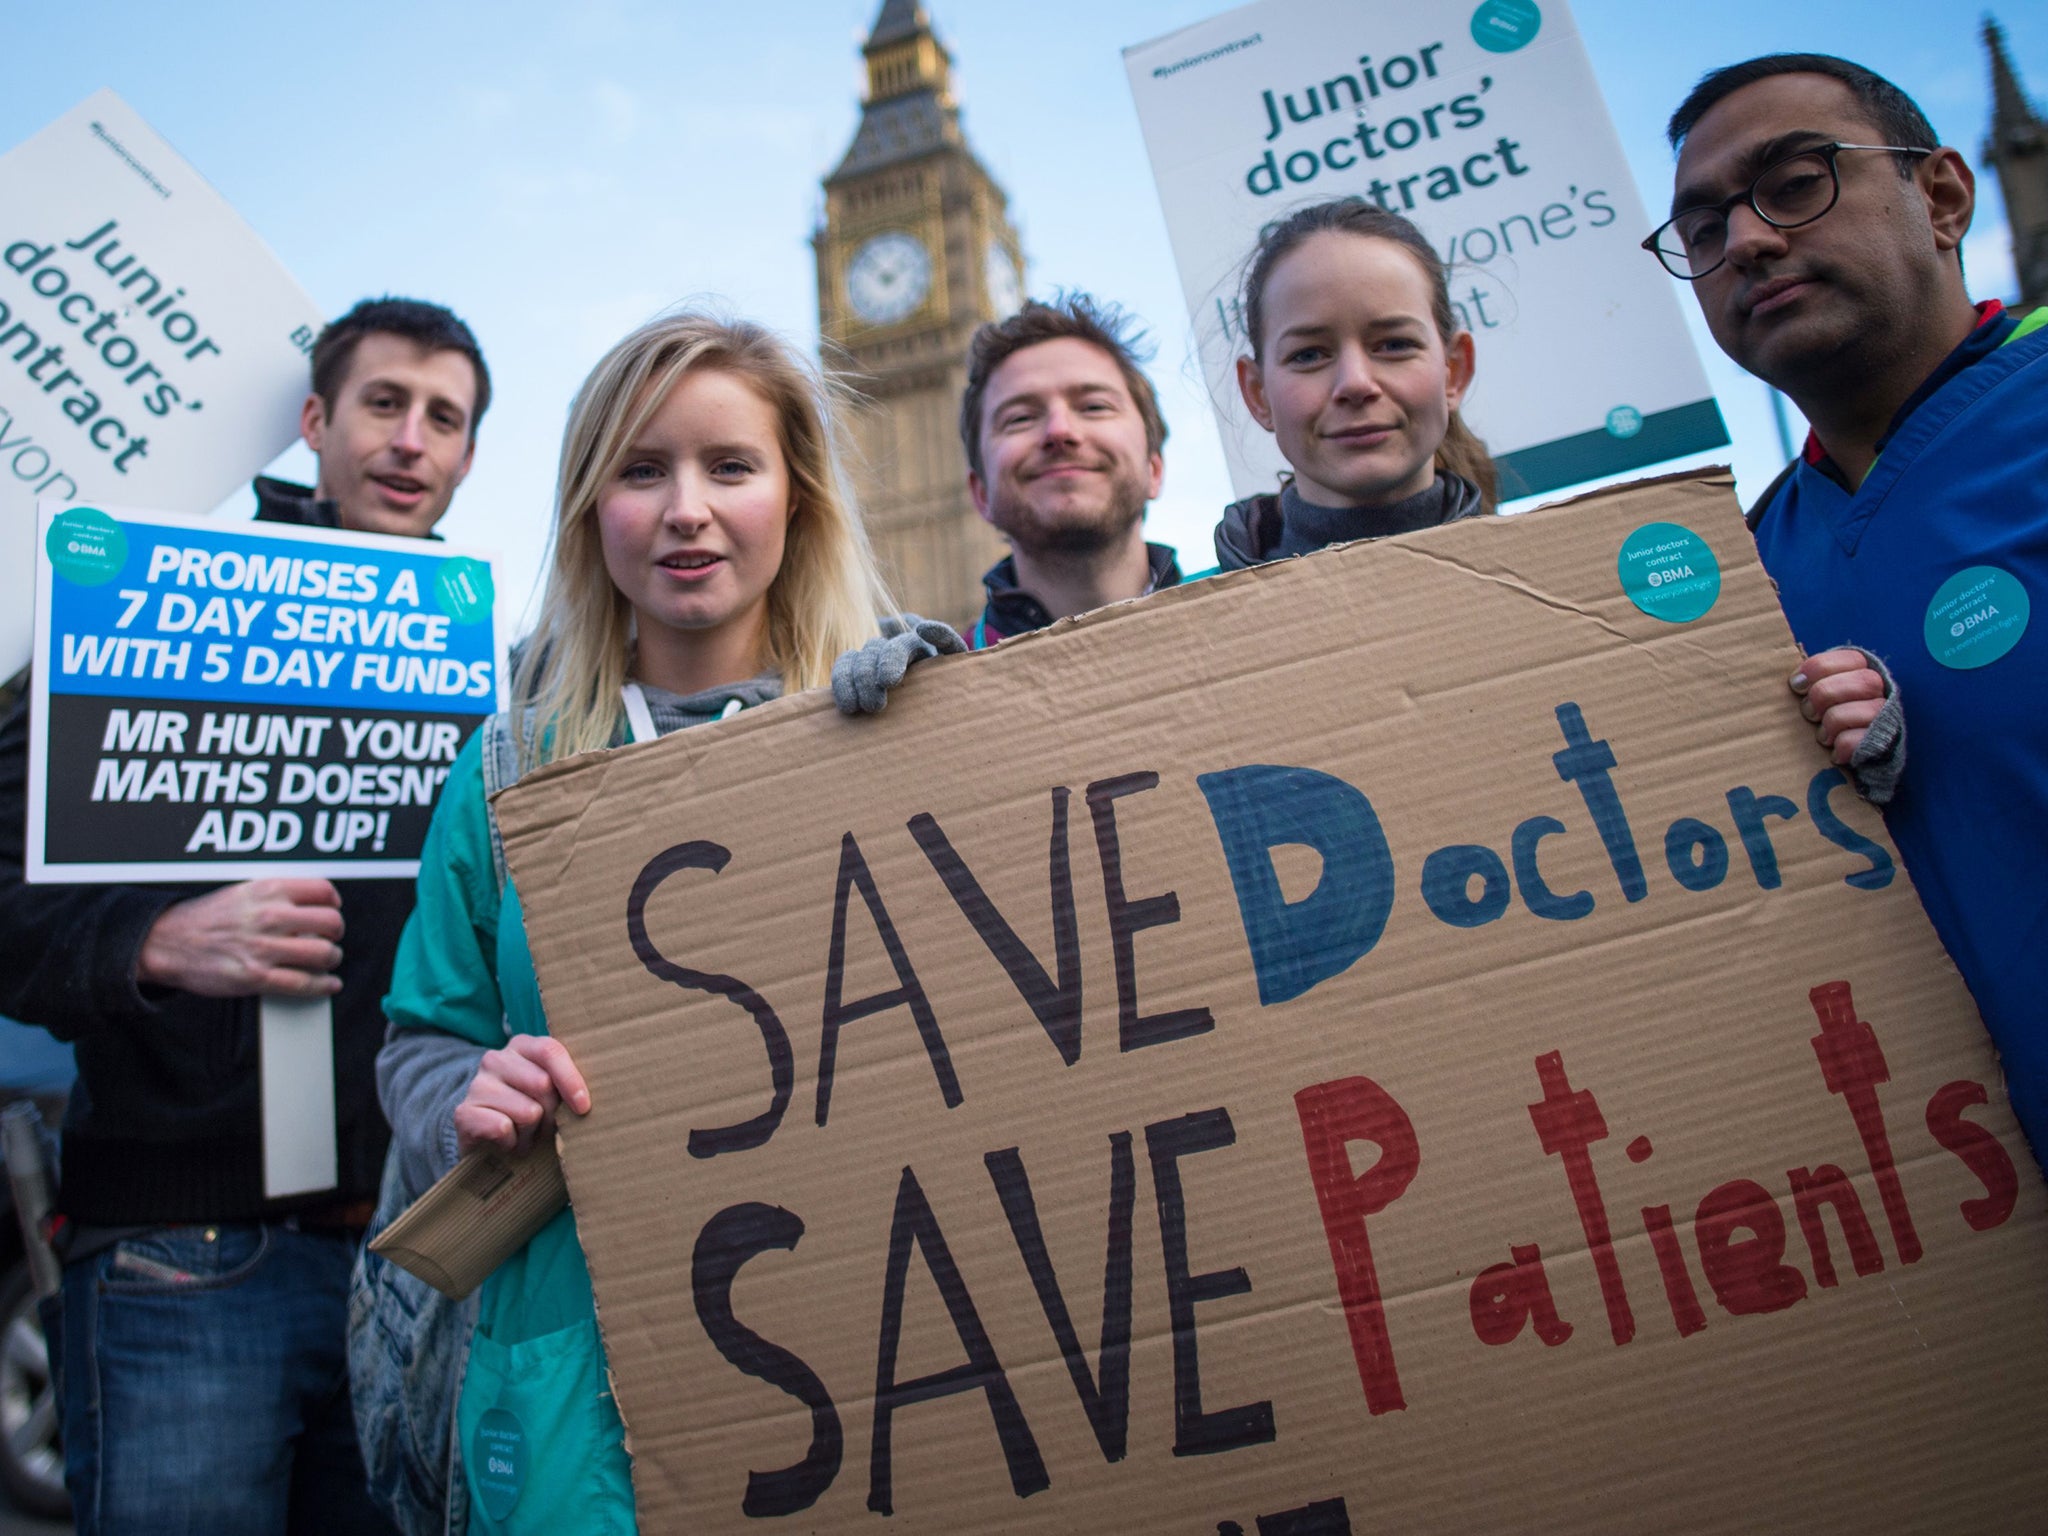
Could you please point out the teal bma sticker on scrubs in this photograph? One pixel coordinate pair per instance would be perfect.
(498, 1462)
(1976, 617)
(86, 546)
(1669, 572)
(463, 589)
(1502, 26)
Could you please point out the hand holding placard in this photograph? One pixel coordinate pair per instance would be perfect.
(1841, 694)
(279, 937)
(516, 1092)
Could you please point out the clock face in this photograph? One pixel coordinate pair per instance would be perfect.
(888, 278)
(999, 274)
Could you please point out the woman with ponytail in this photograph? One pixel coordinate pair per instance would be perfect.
(1357, 367)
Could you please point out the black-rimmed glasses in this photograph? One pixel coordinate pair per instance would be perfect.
(1786, 193)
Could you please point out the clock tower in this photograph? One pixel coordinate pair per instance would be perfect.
(915, 251)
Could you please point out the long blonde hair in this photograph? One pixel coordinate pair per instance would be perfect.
(827, 597)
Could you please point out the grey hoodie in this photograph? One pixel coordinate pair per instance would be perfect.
(422, 1074)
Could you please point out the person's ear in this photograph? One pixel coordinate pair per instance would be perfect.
(1460, 362)
(1950, 189)
(977, 490)
(313, 422)
(462, 469)
(1155, 475)
(1251, 384)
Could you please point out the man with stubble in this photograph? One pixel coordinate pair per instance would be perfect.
(1064, 442)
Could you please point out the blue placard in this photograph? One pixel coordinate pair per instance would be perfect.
(245, 614)
(218, 700)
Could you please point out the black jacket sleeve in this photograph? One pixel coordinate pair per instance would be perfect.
(67, 952)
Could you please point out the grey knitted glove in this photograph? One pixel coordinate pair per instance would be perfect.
(1879, 760)
(861, 679)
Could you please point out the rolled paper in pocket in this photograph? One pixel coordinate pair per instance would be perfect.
(480, 1213)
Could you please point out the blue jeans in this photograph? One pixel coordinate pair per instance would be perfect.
(206, 1385)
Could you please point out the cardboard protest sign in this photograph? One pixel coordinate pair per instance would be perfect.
(1483, 124)
(218, 701)
(152, 350)
(1412, 1039)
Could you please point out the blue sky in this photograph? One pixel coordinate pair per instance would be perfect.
(557, 175)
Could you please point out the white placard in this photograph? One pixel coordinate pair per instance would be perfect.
(297, 1050)
(152, 349)
(1483, 123)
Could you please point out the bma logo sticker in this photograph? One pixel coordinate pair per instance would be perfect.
(498, 1462)
(462, 588)
(1669, 572)
(1502, 26)
(86, 546)
(1976, 617)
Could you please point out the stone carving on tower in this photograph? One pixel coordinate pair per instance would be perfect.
(916, 249)
(2017, 147)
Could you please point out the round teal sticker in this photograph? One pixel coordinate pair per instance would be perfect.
(87, 546)
(1624, 421)
(1669, 572)
(1976, 617)
(463, 589)
(1502, 26)
(498, 1462)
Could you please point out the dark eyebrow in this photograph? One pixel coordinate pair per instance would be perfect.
(1015, 397)
(434, 400)
(1756, 158)
(1378, 326)
(450, 403)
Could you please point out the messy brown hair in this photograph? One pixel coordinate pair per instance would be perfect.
(1075, 315)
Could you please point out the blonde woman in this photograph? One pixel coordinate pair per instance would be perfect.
(706, 559)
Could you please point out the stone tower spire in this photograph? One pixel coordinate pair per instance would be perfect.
(2017, 147)
(916, 250)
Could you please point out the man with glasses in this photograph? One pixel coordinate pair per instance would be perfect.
(1820, 224)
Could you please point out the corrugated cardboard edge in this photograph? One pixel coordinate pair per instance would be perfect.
(1712, 484)
(1709, 482)
(480, 1213)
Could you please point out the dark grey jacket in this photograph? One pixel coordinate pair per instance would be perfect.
(1250, 533)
